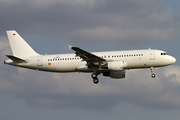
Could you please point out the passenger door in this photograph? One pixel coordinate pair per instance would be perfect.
(39, 61)
(152, 54)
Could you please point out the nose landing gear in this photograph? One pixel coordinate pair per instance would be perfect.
(153, 75)
(95, 79)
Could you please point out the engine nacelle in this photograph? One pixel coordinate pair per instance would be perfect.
(116, 65)
(115, 74)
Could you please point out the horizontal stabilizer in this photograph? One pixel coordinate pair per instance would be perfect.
(16, 59)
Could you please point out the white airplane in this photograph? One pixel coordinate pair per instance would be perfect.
(112, 64)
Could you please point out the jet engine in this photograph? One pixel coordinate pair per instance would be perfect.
(115, 65)
(115, 74)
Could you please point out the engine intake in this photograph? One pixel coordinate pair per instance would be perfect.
(115, 65)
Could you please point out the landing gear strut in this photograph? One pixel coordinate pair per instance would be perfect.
(95, 79)
(153, 75)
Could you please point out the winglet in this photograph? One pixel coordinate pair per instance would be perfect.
(70, 46)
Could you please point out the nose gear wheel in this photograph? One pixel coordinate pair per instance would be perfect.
(153, 75)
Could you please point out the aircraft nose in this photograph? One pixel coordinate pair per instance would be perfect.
(172, 59)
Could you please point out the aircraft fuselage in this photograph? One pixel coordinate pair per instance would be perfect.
(135, 59)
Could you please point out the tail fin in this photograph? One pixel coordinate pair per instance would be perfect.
(19, 47)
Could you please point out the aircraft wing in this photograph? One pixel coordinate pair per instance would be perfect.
(87, 56)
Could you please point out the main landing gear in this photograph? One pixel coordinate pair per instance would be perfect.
(153, 75)
(95, 79)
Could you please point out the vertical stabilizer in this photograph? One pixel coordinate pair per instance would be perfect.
(19, 46)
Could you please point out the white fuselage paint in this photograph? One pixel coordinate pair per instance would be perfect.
(134, 59)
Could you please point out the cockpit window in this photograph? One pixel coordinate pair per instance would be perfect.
(163, 53)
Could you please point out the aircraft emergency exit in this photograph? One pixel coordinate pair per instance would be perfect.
(111, 64)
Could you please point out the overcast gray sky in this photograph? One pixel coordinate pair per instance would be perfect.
(94, 25)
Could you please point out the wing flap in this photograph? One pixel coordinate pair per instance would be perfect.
(16, 59)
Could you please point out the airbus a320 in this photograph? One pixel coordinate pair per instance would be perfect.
(111, 64)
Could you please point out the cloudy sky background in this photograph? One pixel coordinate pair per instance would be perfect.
(94, 25)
